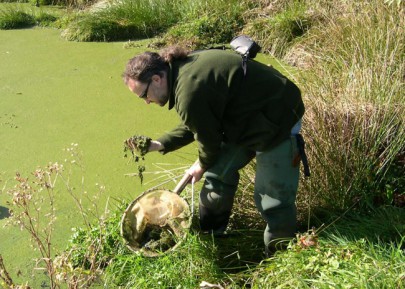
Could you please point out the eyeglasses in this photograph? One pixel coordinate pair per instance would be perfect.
(145, 92)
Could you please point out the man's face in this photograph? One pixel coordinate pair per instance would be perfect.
(156, 91)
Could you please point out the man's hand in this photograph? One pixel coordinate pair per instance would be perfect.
(196, 171)
(155, 146)
(137, 144)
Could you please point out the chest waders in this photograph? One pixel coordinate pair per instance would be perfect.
(276, 185)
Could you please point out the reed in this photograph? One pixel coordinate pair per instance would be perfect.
(354, 125)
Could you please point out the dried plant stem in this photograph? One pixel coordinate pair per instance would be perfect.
(4, 275)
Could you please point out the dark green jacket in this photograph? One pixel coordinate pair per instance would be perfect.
(217, 103)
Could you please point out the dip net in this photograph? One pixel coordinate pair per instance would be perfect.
(155, 222)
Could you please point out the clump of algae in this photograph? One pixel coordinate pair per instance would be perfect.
(138, 145)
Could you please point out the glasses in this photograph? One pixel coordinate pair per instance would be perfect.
(145, 92)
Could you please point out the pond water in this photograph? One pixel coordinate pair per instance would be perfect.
(54, 93)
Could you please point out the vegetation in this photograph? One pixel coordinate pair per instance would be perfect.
(355, 121)
(13, 19)
(138, 145)
(351, 64)
(17, 17)
(356, 249)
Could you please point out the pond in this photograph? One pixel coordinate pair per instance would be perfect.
(55, 93)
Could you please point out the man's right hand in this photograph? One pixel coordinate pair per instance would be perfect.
(196, 171)
(155, 146)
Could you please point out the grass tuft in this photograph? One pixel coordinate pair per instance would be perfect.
(91, 28)
(191, 263)
(205, 24)
(122, 21)
(45, 19)
(14, 18)
(277, 29)
(358, 264)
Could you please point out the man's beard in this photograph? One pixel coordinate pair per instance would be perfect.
(163, 100)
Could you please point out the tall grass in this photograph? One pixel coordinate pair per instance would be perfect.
(278, 26)
(203, 22)
(207, 23)
(355, 107)
(15, 18)
(149, 17)
(123, 20)
(18, 16)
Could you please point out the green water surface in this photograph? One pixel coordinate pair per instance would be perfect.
(54, 93)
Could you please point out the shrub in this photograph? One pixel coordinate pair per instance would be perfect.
(97, 244)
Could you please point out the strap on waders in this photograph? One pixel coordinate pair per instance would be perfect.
(301, 151)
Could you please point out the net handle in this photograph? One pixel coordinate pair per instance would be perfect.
(182, 184)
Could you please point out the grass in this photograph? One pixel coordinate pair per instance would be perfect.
(17, 16)
(355, 119)
(278, 29)
(356, 250)
(15, 19)
(128, 20)
(92, 28)
(198, 25)
(190, 263)
(334, 264)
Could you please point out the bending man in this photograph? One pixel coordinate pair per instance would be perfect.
(234, 118)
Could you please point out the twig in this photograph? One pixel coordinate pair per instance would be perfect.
(4, 275)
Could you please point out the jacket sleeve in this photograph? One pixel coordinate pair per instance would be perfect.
(202, 115)
(177, 138)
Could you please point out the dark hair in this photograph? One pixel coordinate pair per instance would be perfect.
(147, 64)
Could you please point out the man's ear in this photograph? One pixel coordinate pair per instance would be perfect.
(159, 78)
(156, 78)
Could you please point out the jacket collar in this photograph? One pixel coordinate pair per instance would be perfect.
(170, 85)
(173, 74)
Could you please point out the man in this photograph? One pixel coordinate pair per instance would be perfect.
(234, 117)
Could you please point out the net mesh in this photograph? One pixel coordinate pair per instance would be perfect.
(155, 222)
